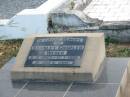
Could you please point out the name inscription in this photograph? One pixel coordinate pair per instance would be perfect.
(56, 52)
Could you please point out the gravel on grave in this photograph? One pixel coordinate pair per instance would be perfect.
(8, 8)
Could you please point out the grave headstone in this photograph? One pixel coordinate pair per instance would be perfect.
(60, 57)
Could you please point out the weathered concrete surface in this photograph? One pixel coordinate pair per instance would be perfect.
(121, 35)
(29, 21)
(106, 10)
(71, 15)
(87, 15)
(73, 18)
(112, 18)
(118, 25)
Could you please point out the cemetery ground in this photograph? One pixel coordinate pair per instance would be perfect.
(10, 48)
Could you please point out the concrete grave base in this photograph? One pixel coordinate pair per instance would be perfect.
(124, 89)
(113, 82)
(93, 56)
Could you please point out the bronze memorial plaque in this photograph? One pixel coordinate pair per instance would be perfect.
(56, 52)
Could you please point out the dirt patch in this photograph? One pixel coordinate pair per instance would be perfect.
(118, 50)
(8, 49)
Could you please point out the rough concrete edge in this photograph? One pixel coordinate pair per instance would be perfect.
(40, 77)
(123, 84)
(64, 8)
(103, 25)
(115, 25)
(79, 15)
(103, 59)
